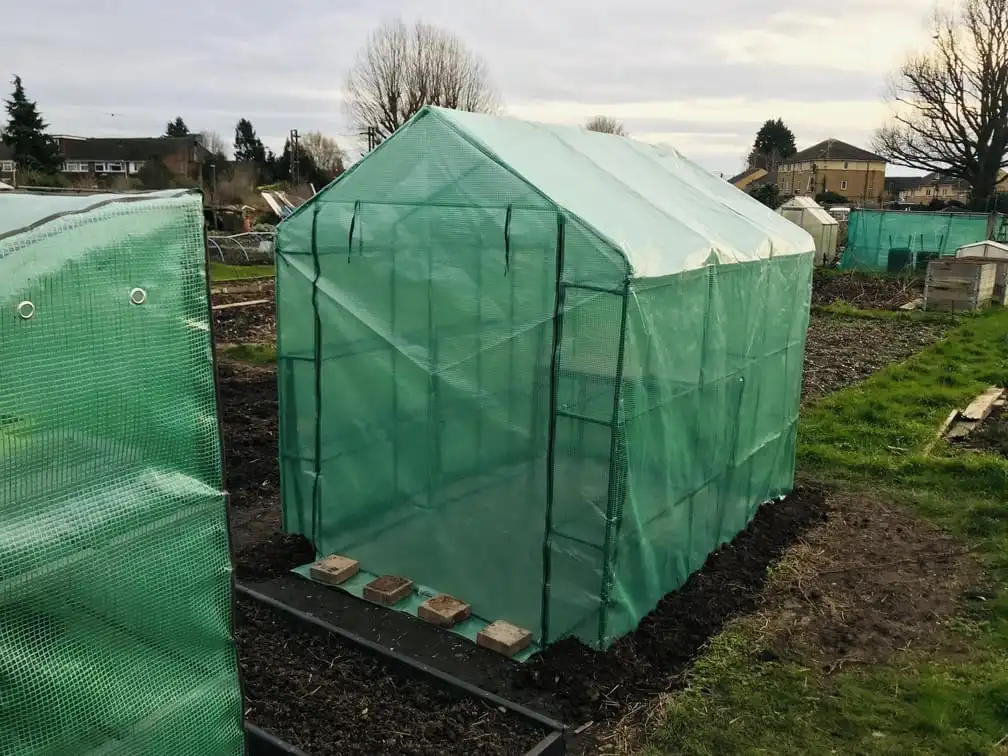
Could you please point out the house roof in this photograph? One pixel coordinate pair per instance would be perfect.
(747, 173)
(117, 148)
(896, 184)
(834, 149)
(933, 179)
(662, 213)
(125, 148)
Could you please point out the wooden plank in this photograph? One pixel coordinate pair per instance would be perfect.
(941, 431)
(913, 304)
(241, 304)
(980, 407)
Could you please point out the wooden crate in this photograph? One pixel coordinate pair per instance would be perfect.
(1000, 280)
(959, 285)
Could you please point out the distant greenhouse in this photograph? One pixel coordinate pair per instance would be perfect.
(544, 370)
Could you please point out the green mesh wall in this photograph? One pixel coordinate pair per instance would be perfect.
(476, 394)
(115, 626)
(872, 233)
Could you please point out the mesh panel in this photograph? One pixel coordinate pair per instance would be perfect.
(114, 568)
(911, 237)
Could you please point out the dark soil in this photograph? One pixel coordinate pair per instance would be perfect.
(840, 351)
(570, 681)
(991, 435)
(865, 291)
(870, 582)
(246, 325)
(330, 699)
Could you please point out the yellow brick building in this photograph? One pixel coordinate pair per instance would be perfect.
(834, 166)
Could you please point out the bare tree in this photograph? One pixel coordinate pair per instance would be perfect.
(402, 68)
(951, 105)
(606, 125)
(324, 150)
(213, 142)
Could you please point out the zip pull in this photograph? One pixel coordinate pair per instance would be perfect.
(353, 223)
(507, 241)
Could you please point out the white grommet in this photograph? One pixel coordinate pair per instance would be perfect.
(26, 310)
(138, 296)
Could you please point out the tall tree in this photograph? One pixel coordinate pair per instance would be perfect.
(951, 104)
(177, 128)
(327, 154)
(402, 68)
(606, 125)
(774, 142)
(25, 134)
(248, 147)
(308, 169)
(213, 143)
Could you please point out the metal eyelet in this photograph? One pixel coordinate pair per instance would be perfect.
(26, 310)
(138, 296)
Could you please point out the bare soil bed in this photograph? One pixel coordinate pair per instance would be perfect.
(330, 699)
(870, 582)
(840, 351)
(864, 290)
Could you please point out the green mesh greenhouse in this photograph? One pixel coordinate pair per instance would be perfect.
(544, 370)
(115, 621)
(894, 240)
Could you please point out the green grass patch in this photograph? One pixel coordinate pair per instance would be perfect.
(261, 354)
(873, 436)
(221, 272)
(849, 311)
(737, 705)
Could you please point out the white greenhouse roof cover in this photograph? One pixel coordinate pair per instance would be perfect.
(663, 212)
(810, 206)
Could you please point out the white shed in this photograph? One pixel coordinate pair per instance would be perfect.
(994, 251)
(804, 212)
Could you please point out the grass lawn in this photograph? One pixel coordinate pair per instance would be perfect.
(260, 354)
(221, 272)
(945, 696)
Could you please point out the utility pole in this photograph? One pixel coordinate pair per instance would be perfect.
(295, 158)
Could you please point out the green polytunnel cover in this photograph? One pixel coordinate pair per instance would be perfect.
(115, 621)
(544, 370)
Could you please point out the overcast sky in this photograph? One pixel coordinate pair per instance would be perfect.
(699, 75)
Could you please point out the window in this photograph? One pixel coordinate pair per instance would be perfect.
(99, 167)
(846, 165)
(115, 167)
(843, 186)
(811, 179)
(7, 166)
(75, 166)
(135, 166)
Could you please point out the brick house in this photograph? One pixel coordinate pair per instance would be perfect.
(90, 160)
(934, 186)
(834, 166)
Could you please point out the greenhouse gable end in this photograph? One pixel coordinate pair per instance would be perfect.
(544, 370)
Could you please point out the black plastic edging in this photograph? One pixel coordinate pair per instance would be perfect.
(261, 743)
(554, 744)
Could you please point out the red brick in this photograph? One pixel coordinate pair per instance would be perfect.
(444, 610)
(334, 569)
(388, 589)
(504, 638)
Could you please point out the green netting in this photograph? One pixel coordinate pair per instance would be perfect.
(115, 623)
(913, 238)
(482, 391)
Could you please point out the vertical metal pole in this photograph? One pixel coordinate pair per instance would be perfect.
(434, 452)
(511, 337)
(558, 309)
(317, 468)
(479, 357)
(617, 477)
(395, 384)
